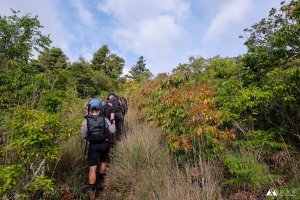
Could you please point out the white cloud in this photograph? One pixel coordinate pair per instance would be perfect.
(232, 12)
(157, 40)
(153, 29)
(154, 36)
(125, 71)
(132, 10)
(85, 15)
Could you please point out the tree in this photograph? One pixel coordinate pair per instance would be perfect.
(273, 41)
(99, 58)
(53, 59)
(83, 78)
(139, 71)
(114, 65)
(19, 37)
(111, 64)
(270, 73)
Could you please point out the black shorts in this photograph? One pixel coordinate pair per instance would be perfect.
(98, 150)
(119, 116)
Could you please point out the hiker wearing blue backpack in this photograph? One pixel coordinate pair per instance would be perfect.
(96, 130)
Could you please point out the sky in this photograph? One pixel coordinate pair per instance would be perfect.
(165, 32)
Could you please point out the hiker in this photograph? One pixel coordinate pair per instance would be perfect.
(97, 102)
(112, 98)
(95, 130)
(109, 112)
(119, 116)
(108, 109)
(114, 101)
(124, 103)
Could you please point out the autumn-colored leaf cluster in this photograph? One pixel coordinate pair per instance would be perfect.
(185, 109)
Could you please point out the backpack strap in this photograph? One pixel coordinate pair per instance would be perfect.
(87, 126)
(104, 125)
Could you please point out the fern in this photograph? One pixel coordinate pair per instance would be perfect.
(246, 172)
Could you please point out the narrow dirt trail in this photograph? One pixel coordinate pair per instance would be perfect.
(105, 193)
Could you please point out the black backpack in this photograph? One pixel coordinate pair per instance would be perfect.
(96, 128)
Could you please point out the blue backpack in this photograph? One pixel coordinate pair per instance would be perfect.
(95, 102)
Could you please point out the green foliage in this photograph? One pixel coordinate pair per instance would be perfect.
(99, 58)
(21, 82)
(139, 71)
(90, 82)
(260, 141)
(40, 105)
(42, 184)
(83, 79)
(9, 176)
(272, 65)
(19, 36)
(53, 62)
(33, 134)
(53, 59)
(71, 112)
(52, 99)
(110, 63)
(246, 172)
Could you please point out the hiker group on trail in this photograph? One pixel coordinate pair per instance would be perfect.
(102, 127)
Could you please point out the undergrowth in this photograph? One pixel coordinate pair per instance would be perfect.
(142, 168)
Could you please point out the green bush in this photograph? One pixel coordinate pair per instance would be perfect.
(32, 133)
(246, 172)
(52, 100)
(41, 184)
(9, 177)
(262, 141)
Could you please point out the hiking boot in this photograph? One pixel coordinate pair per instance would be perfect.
(100, 180)
(92, 194)
(92, 191)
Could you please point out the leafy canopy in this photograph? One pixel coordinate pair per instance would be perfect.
(19, 36)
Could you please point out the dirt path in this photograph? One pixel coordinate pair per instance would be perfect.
(105, 192)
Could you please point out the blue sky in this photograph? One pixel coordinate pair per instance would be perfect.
(165, 32)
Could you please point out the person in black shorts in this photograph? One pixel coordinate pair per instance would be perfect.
(115, 101)
(95, 129)
(119, 116)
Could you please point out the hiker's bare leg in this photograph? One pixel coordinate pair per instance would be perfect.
(92, 174)
(102, 167)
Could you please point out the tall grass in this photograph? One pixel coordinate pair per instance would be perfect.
(141, 168)
(70, 172)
